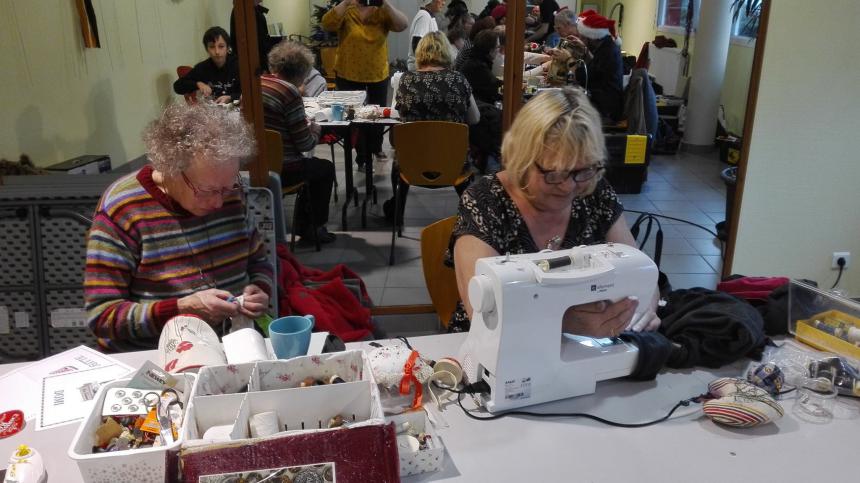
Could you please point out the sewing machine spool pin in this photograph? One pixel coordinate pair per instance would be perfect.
(548, 264)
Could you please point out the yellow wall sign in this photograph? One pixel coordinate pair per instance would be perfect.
(636, 145)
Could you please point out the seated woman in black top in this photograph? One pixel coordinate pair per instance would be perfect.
(216, 77)
(433, 92)
(550, 196)
(477, 66)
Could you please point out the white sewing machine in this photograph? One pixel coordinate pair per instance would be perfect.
(515, 343)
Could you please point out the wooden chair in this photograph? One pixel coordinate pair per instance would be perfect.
(275, 162)
(431, 154)
(182, 71)
(441, 280)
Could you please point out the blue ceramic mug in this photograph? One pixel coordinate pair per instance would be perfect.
(291, 335)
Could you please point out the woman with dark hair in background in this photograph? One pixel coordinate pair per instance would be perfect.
(456, 14)
(486, 23)
(477, 66)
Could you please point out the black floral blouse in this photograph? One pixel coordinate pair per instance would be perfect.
(439, 95)
(488, 213)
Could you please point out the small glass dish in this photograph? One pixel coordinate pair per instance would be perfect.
(814, 405)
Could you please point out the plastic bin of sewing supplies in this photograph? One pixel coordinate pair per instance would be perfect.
(139, 465)
(268, 398)
(424, 459)
(824, 320)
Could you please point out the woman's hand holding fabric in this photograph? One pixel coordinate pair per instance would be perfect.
(599, 319)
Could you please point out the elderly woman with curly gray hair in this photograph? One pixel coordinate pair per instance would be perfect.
(172, 238)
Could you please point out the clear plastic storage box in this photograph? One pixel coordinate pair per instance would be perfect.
(824, 320)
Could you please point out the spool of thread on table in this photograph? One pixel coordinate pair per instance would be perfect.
(451, 365)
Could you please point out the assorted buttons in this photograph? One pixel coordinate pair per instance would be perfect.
(121, 401)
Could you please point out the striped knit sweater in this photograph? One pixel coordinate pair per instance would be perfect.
(284, 111)
(144, 252)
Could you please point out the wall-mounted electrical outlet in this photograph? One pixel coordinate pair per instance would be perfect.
(837, 256)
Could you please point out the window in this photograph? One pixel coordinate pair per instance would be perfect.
(672, 15)
(747, 25)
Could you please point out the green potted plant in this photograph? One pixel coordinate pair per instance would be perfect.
(317, 33)
(749, 12)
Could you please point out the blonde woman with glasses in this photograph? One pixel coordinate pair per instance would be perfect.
(550, 195)
(171, 239)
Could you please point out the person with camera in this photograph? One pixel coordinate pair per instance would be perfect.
(362, 28)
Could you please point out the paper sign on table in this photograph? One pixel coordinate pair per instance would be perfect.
(68, 397)
(30, 376)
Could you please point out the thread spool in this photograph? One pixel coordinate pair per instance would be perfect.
(450, 365)
(407, 444)
(264, 424)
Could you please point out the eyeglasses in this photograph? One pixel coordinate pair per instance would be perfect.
(223, 192)
(578, 175)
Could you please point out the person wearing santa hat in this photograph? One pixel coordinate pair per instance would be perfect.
(603, 73)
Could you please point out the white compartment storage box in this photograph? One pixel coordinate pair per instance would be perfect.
(139, 465)
(275, 386)
(421, 461)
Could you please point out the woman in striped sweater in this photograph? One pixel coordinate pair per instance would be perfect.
(172, 237)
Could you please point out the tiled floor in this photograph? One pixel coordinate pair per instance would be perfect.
(685, 186)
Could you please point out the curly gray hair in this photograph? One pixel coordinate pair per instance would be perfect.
(216, 133)
(291, 61)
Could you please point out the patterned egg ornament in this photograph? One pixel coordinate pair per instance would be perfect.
(739, 403)
(767, 376)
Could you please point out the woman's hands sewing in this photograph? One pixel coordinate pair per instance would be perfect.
(599, 319)
(255, 301)
(212, 305)
(608, 319)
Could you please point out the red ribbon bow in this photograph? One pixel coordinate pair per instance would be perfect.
(409, 379)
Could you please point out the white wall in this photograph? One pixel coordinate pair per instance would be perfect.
(801, 200)
(295, 15)
(61, 100)
(640, 20)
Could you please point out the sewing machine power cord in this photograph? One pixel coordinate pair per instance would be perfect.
(481, 386)
(647, 214)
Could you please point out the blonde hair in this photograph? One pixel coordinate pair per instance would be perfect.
(433, 50)
(216, 133)
(562, 122)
